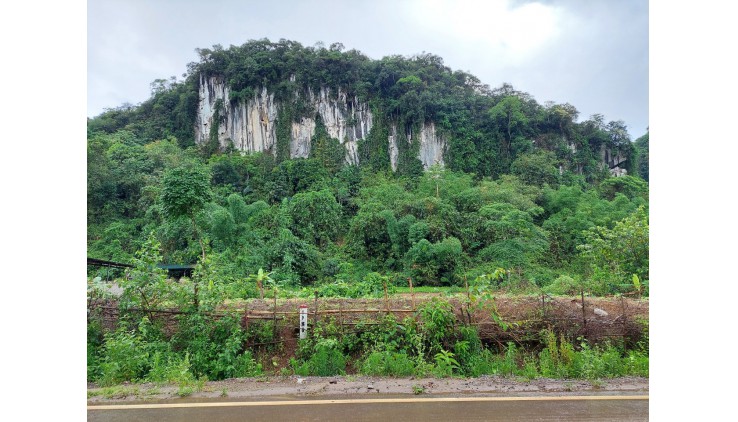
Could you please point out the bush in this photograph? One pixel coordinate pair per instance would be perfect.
(170, 368)
(484, 363)
(387, 363)
(124, 358)
(563, 285)
(326, 360)
(246, 365)
(437, 325)
(372, 286)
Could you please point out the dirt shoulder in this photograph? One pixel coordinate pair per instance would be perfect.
(340, 386)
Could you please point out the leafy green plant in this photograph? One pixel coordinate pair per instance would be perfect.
(437, 322)
(373, 285)
(509, 364)
(446, 365)
(387, 363)
(326, 360)
(124, 358)
(188, 387)
(146, 285)
(261, 278)
(170, 370)
(564, 285)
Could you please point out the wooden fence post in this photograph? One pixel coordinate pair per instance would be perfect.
(274, 314)
(622, 304)
(584, 314)
(386, 298)
(246, 316)
(315, 314)
(543, 305)
(468, 300)
(412, 295)
(340, 316)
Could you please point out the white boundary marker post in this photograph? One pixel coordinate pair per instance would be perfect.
(303, 321)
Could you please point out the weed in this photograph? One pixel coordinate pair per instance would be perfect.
(418, 389)
(437, 324)
(224, 393)
(509, 364)
(326, 360)
(386, 363)
(175, 370)
(530, 369)
(124, 358)
(445, 364)
(597, 383)
(185, 390)
(119, 392)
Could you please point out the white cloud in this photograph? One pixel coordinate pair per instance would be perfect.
(512, 34)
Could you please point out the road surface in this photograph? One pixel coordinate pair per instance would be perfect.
(387, 409)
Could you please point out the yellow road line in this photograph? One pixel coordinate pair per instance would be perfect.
(357, 401)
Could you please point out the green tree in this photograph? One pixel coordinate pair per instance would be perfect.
(434, 263)
(185, 191)
(616, 254)
(509, 117)
(315, 216)
(641, 147)
(629, 186)
(536, 168)
(146, 285)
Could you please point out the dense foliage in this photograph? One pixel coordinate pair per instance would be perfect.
(523, 188)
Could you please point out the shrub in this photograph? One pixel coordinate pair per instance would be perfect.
(246, 365)
(484, 363)
(563, 285)
(124, 358)
(446, 365)
(326, 360)
(437, 324)
(170, 368)
(387, 363)
(372, 286)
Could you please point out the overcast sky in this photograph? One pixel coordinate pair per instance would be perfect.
(592, 54)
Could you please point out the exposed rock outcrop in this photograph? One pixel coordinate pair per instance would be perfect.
(250, 125)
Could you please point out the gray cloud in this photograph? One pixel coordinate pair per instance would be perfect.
(594, 55)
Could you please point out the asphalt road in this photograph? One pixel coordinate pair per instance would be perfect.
(425, 409)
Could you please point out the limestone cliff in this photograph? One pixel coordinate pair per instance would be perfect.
(250, 125)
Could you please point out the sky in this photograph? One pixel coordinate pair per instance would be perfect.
(592, 54)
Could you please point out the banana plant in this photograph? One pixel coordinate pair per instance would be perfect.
(261, 277)
(637, 284)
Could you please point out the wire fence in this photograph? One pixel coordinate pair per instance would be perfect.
(498, 321)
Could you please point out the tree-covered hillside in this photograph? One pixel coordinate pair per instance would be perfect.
(525, 187)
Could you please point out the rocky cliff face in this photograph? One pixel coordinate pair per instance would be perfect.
(251, 125)
(432, 146)
(614, 160)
